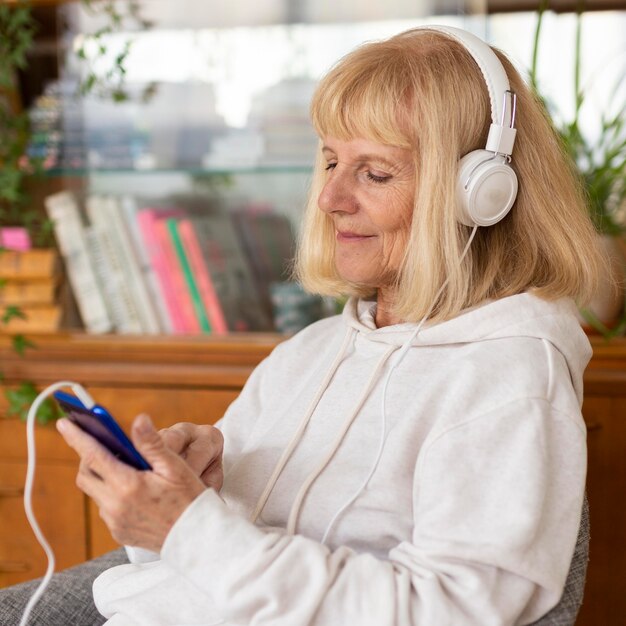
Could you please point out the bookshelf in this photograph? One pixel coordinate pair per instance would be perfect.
(222, 128)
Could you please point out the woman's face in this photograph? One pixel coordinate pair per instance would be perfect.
(368, 194)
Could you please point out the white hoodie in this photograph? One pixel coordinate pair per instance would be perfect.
(472, 509)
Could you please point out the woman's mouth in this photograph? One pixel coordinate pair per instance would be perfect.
(348, 236)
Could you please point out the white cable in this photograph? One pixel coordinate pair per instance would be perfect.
(86, 399)
(403, 350)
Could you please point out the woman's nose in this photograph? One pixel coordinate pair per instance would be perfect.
(337, 194)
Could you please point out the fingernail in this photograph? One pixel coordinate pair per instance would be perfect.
(144, 424)
(62, 425)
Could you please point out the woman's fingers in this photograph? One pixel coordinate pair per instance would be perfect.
(139, 507)
(176, 437)
(200, 445)
(94, 456)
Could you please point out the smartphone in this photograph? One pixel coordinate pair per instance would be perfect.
(99, 423)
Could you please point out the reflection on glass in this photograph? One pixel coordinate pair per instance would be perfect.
(233, 90)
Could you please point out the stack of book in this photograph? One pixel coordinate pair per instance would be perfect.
(57, 137)
(46, 133)
(280, 115)
(28, 291)
(141, 269)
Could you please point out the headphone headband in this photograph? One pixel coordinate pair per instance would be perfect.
(502, 132)
(495, 77)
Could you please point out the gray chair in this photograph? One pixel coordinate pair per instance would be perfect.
(68, 600)
(565, 612)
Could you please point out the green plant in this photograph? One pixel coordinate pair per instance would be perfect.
(17, 29)
(110, 82)
(21, 397)
(601, 162)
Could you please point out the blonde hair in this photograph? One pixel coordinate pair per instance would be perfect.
(423, 91)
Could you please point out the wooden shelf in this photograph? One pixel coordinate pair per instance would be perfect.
(181, 361)
(189, 361)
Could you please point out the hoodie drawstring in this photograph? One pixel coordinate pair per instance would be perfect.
(297, 503)
(299, 433)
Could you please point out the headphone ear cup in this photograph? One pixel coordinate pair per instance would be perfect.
(486, 189)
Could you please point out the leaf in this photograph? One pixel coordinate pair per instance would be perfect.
(599, 326)
(21, 399)
(119, 95)
(11, 312)
(48, 412)
(88, 84)
(21, 343)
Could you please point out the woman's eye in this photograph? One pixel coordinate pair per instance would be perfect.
(378, 178)
(330, 166)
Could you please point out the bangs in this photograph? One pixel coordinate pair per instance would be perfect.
(366, 97)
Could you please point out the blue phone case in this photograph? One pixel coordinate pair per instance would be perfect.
(99, 423)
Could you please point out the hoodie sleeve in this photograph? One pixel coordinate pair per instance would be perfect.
(497, 504)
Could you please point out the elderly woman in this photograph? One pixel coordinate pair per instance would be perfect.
(419, 459)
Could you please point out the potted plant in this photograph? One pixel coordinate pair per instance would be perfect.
(602, 167)
(17, 29)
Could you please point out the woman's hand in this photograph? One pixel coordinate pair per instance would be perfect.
(201, 447)
(139, 507)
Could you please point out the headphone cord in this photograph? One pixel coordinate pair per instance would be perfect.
(396, 361)
(86, 399)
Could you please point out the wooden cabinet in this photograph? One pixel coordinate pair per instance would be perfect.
(605, 413)
(61, 515)
(194, 379)
(188, 379)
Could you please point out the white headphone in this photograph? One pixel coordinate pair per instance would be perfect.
(487, 185)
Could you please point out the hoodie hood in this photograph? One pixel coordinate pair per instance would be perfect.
(522, 315)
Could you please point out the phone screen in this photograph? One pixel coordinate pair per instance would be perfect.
(99, 423)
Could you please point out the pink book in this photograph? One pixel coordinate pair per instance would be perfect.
(203, 279)
(147, 220)
(181, 296)
(15, 238)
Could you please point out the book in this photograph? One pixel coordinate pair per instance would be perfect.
(205, 285)
(139, 290)
(15, 238)
(234, 284)
(102, 271)
(69, 231)
(269, 245)
(147, 219)
(256, 254)
(180, 294)
(112, 266)
(190, 280)
(129, 211)
(32, 264)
